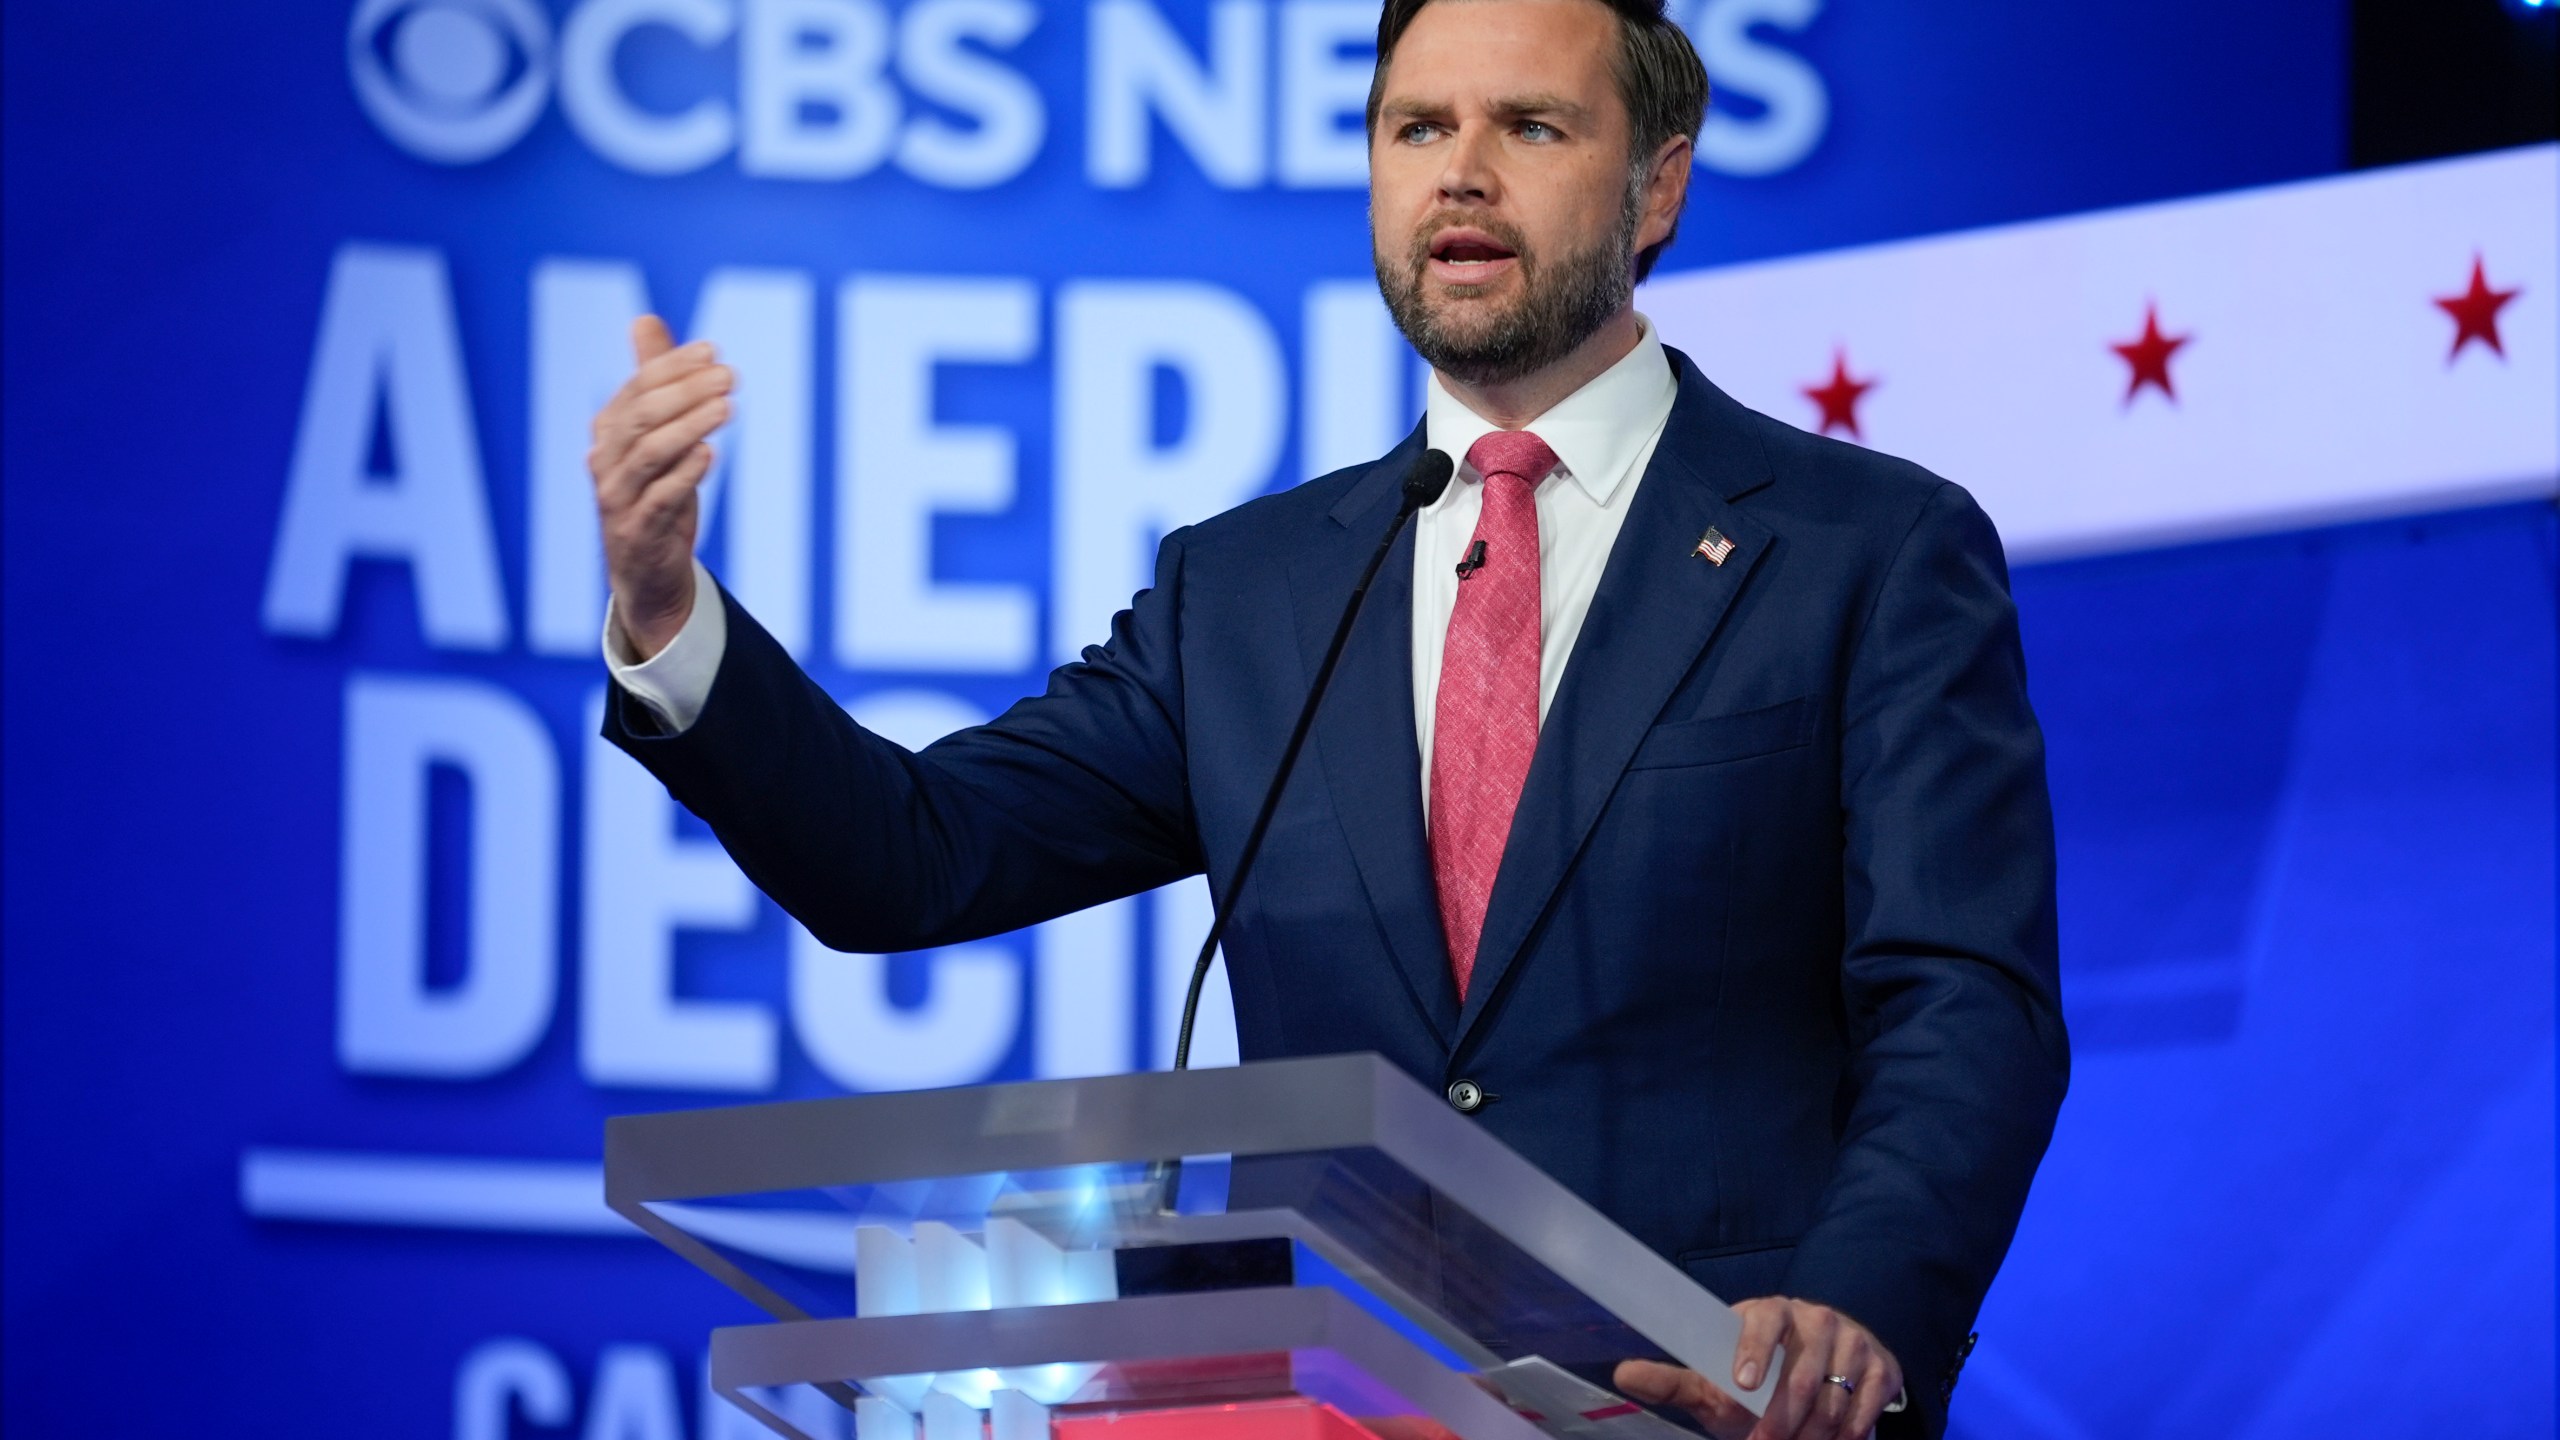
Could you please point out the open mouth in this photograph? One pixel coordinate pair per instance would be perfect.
(1469, 256)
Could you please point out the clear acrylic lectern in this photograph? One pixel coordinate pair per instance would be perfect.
(1302, 1248)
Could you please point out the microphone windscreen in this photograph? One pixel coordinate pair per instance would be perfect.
(1430, 476)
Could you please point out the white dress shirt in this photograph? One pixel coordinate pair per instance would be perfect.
(675, 682)
(1603, 435)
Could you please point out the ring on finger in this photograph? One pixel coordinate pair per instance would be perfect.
(1846, 1386)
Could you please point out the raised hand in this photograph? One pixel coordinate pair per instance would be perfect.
(648, 462)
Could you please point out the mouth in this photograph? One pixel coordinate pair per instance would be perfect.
(1466, 256)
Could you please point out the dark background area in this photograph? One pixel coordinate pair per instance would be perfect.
(2430, 78)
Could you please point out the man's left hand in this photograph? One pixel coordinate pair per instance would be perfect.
(1806, 1403)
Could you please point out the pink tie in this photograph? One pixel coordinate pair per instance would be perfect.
(1484, 728)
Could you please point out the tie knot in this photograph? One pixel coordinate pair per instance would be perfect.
(1512, 452)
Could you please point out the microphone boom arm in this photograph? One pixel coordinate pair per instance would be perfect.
(1429, 477)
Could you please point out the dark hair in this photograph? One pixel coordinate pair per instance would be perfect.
(1659, 75)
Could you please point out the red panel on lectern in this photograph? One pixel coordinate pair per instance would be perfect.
(1282, 1419)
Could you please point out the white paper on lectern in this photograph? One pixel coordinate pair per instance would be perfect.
(1562, 1403)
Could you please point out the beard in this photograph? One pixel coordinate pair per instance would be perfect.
(1479, 341)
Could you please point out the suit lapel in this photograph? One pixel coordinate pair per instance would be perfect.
(1658, 606)
(1364, 740)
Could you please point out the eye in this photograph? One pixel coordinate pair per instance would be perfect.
(1539, 132)
(1415, 132)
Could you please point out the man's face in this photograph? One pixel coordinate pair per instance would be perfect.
(1499, 201)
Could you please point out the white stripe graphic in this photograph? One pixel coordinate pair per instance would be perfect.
(533, 1197)
(558, 1197)
(2318, 383)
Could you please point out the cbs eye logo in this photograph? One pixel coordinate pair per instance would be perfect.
(454, 81)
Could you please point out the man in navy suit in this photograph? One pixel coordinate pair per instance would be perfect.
(1677, 807)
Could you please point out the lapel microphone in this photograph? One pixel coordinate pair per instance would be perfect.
(1422, 485)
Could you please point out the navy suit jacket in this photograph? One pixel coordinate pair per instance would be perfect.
(1768, 973)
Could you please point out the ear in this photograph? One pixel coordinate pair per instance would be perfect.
(1666, 190)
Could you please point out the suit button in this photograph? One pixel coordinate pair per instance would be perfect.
(1467, 1096)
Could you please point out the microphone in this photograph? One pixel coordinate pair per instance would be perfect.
(1422, 485)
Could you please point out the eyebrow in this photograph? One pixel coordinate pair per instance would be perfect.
(1511, 107)
(1517, 107)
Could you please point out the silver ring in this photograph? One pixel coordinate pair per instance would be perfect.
(1842, 1381)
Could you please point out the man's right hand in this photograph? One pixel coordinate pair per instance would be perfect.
(648, 462)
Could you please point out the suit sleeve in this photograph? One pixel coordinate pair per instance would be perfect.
(1068, 799)
(1949, 968)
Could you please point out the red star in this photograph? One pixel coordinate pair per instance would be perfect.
(2149, 356)
(1839, 398)
(2475, 313)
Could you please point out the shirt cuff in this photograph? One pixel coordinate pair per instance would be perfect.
(676, 682)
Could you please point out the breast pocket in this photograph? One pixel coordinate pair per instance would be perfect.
(1719, 738)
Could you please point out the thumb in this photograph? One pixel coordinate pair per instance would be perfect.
(1655, 1383)
(650, 338)
(1651, 1382)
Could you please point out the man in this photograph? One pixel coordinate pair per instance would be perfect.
(1677, 805)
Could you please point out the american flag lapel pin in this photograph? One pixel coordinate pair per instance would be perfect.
(1714, 546)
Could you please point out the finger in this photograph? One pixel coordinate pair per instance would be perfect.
(1763, 1321)
(670, 490)
(658, 369)
(664, 368)
(669, 442)
(1791, 1400)
(654, 453)
(648, 409)
(1648, 1381)
(1848, 1357)
(1876, 1387)
(1882, 1381)
(1654, 1383)
(650, 338)
(661, 516)
(649, 549)
(621, 422)
(634, 535)
(1651, 1382)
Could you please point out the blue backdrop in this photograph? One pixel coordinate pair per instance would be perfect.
(307, 304)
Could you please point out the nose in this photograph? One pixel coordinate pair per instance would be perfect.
(1468, 175)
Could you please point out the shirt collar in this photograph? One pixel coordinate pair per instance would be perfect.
(1597, 431)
